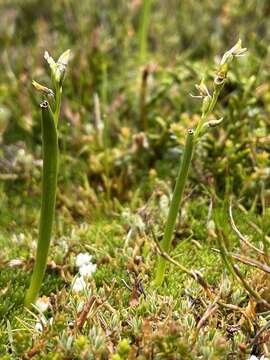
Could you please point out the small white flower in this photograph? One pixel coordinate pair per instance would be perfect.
(39, 327)
(87, 269)
(83, 259)
(78, 284)
(43, 303)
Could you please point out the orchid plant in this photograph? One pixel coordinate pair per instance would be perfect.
(192, 138)
(50, 112)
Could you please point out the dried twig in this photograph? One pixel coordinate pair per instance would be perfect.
(248, 261)
(83, 315)
(252, 224)
(209, 311)
(243, 238)
(228, 260)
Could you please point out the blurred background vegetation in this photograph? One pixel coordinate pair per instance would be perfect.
(183, 40)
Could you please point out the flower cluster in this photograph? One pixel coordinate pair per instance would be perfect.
(58, 71)
(209, 100)
(86, 270)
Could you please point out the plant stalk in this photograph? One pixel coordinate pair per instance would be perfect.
(49, 184)
(175, 205)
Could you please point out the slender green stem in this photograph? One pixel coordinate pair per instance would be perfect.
(191, 140)
(175, 204)
(49, 183)
(143, 31)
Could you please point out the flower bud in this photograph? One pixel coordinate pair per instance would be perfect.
(58, 68)
(43, 89)
(213, 123)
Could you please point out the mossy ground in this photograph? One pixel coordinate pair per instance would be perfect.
(115, 185)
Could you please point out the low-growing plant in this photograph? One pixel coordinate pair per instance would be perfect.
(50, 111)
(193, 137)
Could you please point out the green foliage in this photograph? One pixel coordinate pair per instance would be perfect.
(117, 172)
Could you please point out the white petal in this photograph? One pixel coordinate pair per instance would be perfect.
(43, 303)
(78, 284)
(82, 259)
(87, 269)
(39, 327)
(64, 58)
